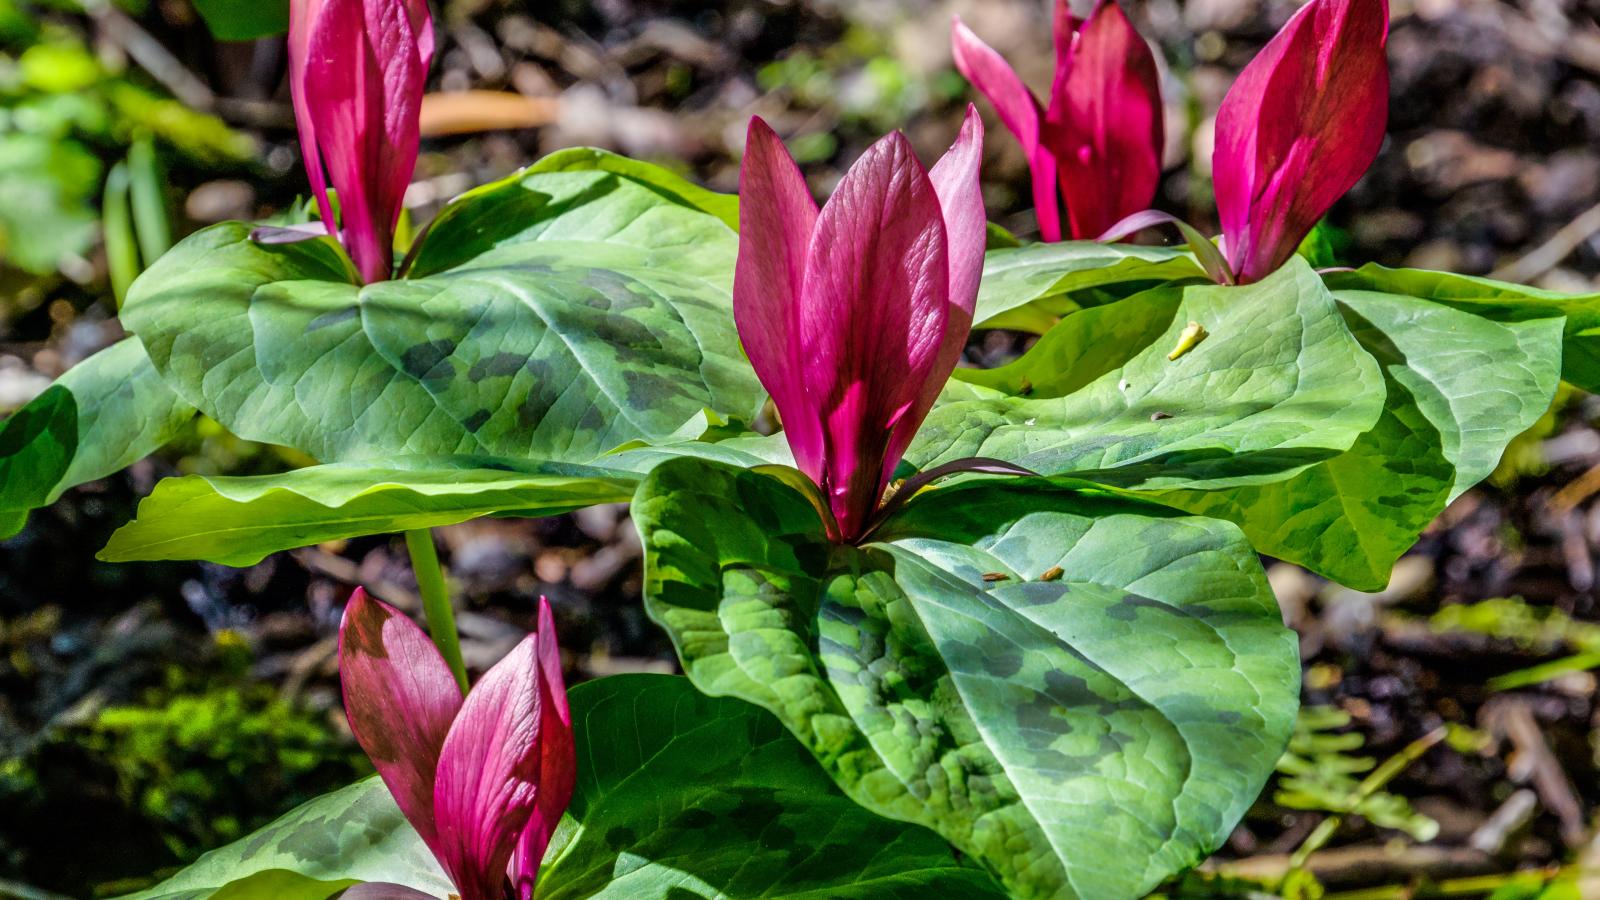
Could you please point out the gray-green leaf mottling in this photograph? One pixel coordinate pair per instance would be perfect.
(1142, 698)
(598, 314)
(1278, 384)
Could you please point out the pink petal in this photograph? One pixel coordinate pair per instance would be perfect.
(558, 764)
(488, 779)
(955, 182)
(400, 699)
(873, 317)
(1020, 112)
(365, 66)
(302, 21)
(1105, 124)
(776, 219)
(1299, 128)
(966, 225)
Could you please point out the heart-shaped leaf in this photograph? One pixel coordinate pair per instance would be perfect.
(1085, 693)
(104, 414)
(679, 796)
(1026, 288)
(1179, 387)
(682, 796)
(553, 316)
(1460, 387)
(514, 210)
(353, 834)
(237, 521)
(1500, 301)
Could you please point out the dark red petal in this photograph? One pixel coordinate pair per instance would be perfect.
(365, 66)
(873, 316)
(776, 219)
(558, 765)
(1299, 128)
(488, 781)
(400, 699)
(1019, 111)
(1106, 124)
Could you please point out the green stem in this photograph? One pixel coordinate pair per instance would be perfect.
(1370, 785)
(436, 602)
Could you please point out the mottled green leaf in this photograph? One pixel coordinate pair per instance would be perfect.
(1083, 692)
(553, 316)
(1027, 287)
(1277, 384)
(353, 834)
(679, 796)
(1500, 301)
(590, 196)
(105, 413)
(682, 796)
(1459, 388)
(237, 521)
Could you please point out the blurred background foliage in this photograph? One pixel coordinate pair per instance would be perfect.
(1451, 740)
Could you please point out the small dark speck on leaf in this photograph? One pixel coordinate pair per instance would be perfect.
(995, 576)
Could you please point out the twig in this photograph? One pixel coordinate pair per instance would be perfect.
(305, 664)
(1534, 761)
(469, 112)
(1508, 818)
(1576, 491)
(254, 113)
(476, 626)
(1368, 863)
(1476, 886)
(1549, 254)
(151, 55)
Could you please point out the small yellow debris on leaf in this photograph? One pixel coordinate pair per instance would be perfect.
(1192, 335)
(1053, 573)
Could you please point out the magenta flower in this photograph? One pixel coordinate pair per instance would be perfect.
(483, 780)
(1298, 129)
(1097, 147)
(854, 316)
(356, 74)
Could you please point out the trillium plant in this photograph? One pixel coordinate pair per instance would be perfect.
(945, 630)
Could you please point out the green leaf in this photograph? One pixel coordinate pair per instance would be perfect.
(678, 796)
(1277, 384)
(237, 521)
(580, 310)
(681, 796)
(244, 20)
(353, 834)
(1083, 692)
(104, 414)
(593, 197)
(1024, 287)
(46, 185)
(1500, 301)
(1459, 388)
